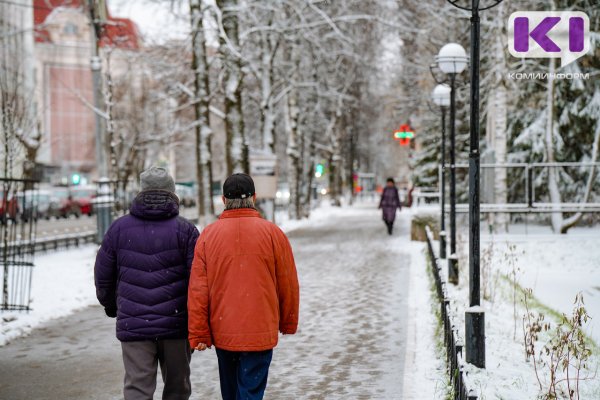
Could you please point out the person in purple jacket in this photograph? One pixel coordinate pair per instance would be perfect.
(141, 274)
(390, 200)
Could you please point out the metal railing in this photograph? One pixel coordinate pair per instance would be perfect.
(65, 240)
(18, 204)
(529, 199)
(56, 242)
(459, 379)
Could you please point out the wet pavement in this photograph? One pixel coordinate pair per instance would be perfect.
(350, 343)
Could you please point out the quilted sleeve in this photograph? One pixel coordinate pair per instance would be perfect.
(198, 304)
(288, 289)
(105, 273)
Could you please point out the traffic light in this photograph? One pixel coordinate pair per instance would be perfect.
(319, 170)
(75, 179)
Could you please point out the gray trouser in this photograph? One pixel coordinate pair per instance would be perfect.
(140, 360)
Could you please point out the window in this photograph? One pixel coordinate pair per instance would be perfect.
(70, 29)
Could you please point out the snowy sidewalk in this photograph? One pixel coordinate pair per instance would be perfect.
(355, 321)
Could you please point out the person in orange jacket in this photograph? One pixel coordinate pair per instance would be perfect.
(243, 291)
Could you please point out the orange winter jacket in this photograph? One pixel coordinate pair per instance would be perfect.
(243, 285)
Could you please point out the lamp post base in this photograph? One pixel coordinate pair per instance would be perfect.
(103, 208)
(475, 336)
(453, 269)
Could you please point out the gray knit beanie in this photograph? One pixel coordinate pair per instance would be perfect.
(157, 178)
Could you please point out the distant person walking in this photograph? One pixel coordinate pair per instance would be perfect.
(390, 201)
(243, 291)
(141, 274)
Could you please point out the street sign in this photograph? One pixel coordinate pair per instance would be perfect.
(263, 169)
(262, 166)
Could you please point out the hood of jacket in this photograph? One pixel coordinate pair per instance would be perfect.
(155, 205)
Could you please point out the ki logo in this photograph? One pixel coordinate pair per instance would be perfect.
(551, 34)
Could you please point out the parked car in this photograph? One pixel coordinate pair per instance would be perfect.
(67, 206)
(84, 196)
(9, 207)
(37, 204)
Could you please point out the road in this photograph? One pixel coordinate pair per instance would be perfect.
(54, 227)
(350, 344)
(59, 226)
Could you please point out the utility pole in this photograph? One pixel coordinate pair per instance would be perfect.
(103, 206)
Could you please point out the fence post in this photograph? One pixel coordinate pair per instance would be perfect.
(454, 347)
(475, 335)
(529, 186)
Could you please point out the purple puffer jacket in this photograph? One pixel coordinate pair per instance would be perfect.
(390, 200)
(143, 266)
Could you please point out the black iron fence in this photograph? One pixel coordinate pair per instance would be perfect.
(527, 187)
(18, 216)
(454, 346)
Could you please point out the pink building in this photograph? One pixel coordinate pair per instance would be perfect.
(63, 46)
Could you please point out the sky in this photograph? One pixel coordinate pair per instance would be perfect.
(156, 19)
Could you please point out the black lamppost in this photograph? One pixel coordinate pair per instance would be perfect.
(474, 316)
(441, 98)
(452, 60)
(102, 203)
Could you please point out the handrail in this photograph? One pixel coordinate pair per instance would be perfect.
(463, 389)
(55, 242)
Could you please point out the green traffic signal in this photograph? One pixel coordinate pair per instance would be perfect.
(319, 170)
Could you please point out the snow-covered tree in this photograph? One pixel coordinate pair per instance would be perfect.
(558, 120)
(202, 94)
(20, 136)
(228, 18)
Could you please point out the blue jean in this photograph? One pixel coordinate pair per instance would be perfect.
(243, 375)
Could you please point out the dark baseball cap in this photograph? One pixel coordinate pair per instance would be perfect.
(238, 186)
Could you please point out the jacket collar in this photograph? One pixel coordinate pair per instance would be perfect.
(240, 213)
(155, 204)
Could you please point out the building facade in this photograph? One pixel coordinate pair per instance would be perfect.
(63, 48)
(17, 85)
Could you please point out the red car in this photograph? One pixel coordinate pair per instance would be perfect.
(72, 201)
(84, 197)
(9, 207)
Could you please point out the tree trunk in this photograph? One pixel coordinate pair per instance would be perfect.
(236, 146)
(334, 180)
(203, 131)
(497, 127)
(555, 199)
(309, 146)
(350, 166)
(335, 161)
(267, 111)
(293, 153)
(310, 173)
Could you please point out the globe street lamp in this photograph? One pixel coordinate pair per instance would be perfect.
(441, 98)
(452, 60)
(474, 316)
